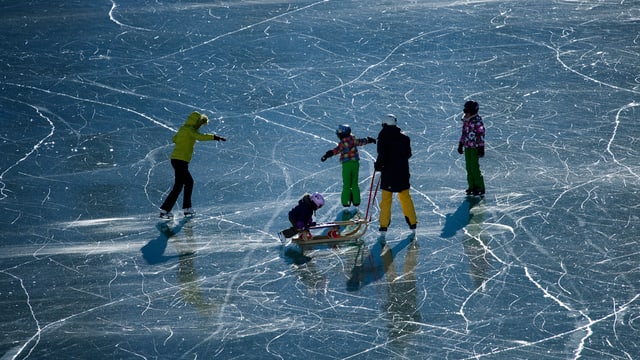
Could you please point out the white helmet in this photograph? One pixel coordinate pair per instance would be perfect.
(317, 199)
(390, 119)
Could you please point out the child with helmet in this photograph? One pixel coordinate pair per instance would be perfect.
(350, 160)
(301, 216)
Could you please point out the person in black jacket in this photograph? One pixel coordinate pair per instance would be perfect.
(394, 151)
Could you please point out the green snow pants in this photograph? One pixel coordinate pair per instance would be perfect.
(474, 176)
(350, 188)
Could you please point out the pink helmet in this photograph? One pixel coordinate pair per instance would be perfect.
(317, 199)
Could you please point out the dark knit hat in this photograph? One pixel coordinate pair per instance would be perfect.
(471, 107)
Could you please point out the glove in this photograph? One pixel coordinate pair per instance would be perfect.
(312, 224)
(377, 166)
(460, 151)
(481, 151)
(219, 138)
(300, 225)
(370, 140)
(326, 155)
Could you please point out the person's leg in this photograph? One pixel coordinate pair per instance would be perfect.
(188, 188)
(385, 209)
(290, 232)
(469, 155)
(479, 178)
(408, 209)
(351, 188)
(345, 196)
(178, 183)
(474, 176)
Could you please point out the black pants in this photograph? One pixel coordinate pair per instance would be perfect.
(290, 232)
(183, 179)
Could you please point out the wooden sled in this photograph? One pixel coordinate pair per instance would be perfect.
(333, 232)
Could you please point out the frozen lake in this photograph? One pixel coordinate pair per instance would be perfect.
(545, 267)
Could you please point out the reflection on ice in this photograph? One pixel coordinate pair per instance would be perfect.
(402, 306)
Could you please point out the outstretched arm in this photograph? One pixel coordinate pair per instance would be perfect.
(207, 137)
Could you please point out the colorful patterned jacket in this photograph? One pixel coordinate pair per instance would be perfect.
(348, 148)
(472, 132)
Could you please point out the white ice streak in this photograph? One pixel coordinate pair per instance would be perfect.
(113, 18)
(95, 102)
(39, 111)
(613, 136)
(239, 30)
(585, 327)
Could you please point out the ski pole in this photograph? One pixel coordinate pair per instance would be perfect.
(375, 193)
(371, 199)
(366, 214)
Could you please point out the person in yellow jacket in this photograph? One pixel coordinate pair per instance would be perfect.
(185, 140)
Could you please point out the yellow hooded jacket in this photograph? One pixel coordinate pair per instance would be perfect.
(185, 138)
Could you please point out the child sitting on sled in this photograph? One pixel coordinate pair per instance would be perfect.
(350, 160)
(301, 216)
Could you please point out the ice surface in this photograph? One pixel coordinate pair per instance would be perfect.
(546, 267)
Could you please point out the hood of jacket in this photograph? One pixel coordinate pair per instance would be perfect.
(195, 119)
(187, 136)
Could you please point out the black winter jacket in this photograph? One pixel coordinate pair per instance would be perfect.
(301, 216)
(394, 151)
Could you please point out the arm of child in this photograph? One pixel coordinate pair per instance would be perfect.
(327, 155)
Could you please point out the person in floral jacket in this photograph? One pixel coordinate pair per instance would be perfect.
(471, 144)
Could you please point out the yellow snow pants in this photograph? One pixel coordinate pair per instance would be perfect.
(407, 208)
